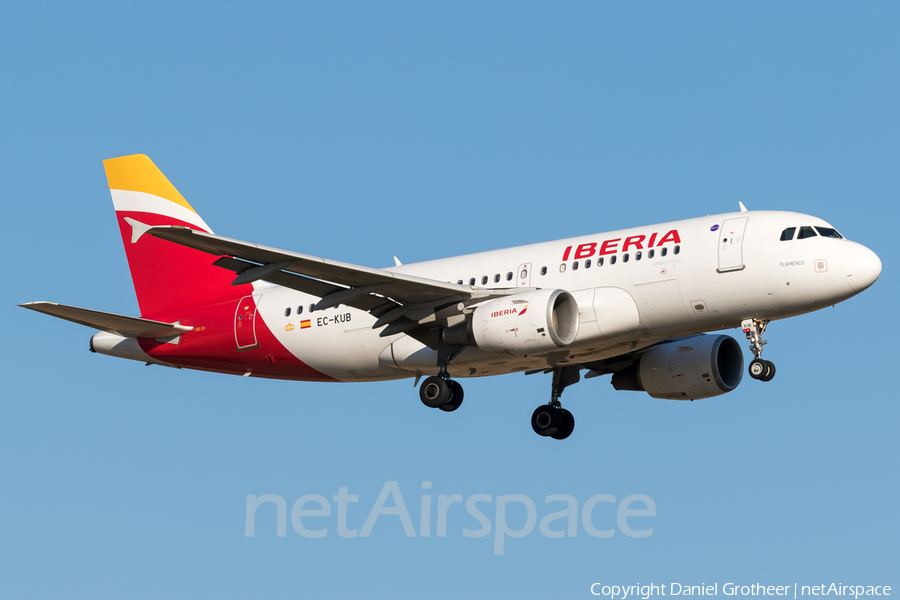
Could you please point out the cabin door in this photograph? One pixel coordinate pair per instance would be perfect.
(731, 243)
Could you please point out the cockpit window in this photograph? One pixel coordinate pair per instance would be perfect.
(788, 234)
(829, 232)
(806, 232)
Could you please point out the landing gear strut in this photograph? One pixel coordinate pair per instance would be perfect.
(552, 420)
(764, 370)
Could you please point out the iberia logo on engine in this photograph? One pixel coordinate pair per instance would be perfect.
(509, 311)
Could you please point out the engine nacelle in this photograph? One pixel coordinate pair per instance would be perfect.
(701, 366)
(531, 323)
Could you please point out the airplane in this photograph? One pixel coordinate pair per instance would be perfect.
(637, 304)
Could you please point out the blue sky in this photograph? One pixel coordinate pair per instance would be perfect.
(359, 131)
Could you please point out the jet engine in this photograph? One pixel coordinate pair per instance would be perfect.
(530, 323)
(690, 368)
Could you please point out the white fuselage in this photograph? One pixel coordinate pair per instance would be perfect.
(712, 273)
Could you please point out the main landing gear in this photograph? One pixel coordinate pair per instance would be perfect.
(439, 391)
(552, 420)
(764, 370)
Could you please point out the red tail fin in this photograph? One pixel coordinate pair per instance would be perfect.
(165, 275)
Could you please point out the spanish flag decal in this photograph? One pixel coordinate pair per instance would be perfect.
(304, 324)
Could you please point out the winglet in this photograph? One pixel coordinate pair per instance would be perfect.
(743, 208)
(137, 229)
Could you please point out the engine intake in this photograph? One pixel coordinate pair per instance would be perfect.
(531, 323)
(700, 366)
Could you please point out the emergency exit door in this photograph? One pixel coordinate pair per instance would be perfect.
(524, 275)
(731, 243)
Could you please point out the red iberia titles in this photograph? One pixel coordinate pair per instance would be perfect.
(509, 311)
(636, 242)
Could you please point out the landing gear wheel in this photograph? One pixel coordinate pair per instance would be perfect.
(435, 392)
(770, 371)
(567, 427)
(547, 420)
(456, 397)
(758, 368)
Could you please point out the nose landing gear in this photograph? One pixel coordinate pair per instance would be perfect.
(764, 370)
(552, 420)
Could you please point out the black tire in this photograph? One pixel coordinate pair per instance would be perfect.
(434, 392)
(567, 427)
(456, 397)
(546, 420)
(770, 371)
(758, 368)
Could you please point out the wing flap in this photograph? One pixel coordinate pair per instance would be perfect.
(132, 327)
(374, 304)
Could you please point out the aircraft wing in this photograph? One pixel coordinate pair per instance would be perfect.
(407, 288)
(395, 298)
(132, 327)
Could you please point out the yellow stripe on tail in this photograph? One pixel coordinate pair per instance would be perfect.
(137, 173)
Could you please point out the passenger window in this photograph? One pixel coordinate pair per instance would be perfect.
(472, 281)
(651, 253)
(287, 311)
(806, 232)
(562, 268)
(625, 257)
(637, 255)
(497, 278)
(509, 276)
(829, 232)
(543, 270)
(677, 249)
(523, 274)
(300, 310)
(311, 307)
(587, 264)
(612, 259)
(600, 262)
(575, 266)
(459, 282)
(484, 280)
(664, 251)
(788, 234)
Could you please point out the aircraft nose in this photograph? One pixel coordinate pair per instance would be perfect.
(864, 270)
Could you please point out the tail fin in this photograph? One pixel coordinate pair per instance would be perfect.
(165, 275)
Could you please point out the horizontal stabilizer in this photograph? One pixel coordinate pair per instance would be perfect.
(131, 327)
